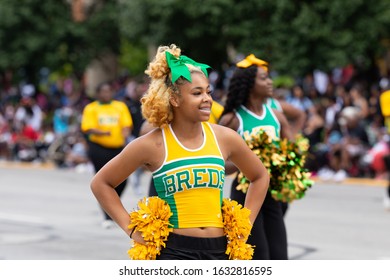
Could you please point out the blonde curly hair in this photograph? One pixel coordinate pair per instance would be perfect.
(156, 106)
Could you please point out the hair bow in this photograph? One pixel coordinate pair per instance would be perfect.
(178, 66)
(252, 60)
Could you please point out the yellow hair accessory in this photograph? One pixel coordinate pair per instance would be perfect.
(252, 60)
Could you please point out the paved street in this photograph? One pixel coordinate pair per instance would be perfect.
(50, 214)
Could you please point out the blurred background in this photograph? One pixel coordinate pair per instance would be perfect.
(328, 58)
(54, 53)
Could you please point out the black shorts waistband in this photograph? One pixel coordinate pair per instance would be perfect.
(196, 243)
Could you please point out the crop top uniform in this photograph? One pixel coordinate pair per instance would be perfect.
(191, 180)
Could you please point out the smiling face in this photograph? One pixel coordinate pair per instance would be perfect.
(194, 102)
(263, 85)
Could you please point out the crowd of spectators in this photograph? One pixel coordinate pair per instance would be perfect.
(344, 123)
(40, 122)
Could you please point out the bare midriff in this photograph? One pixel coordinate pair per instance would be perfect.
(207, 232)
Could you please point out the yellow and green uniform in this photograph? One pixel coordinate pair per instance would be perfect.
(112, 116)
(252, 123)
(268, 233)
(191, 180)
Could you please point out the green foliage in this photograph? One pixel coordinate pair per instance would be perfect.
(35, 33)
(133, 58)
(196, 26)
(295, 36)
(283, 82)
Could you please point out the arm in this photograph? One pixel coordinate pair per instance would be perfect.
(135, 154)
(96, 131)
(294, 115)
(285, 128)
(230, 120)
(235, 149)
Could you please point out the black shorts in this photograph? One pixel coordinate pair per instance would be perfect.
(181, 247)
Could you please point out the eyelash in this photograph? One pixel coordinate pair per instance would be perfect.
(199, 93)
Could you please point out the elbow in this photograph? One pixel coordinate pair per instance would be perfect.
(262, 179)
(267, 179)
(95, 186)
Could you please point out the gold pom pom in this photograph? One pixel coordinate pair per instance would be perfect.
(237, 228)
(152, 220)
(285, 161)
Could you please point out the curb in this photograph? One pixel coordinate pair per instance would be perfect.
(27, 165)
(364, 182)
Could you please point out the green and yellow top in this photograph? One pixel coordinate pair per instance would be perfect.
(191, 180)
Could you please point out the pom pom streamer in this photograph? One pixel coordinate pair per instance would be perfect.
(237, 228)
(152, 220)
(285, 161)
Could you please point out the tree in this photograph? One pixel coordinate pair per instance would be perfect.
(36, 34)
(296, 36)
(196, 26)
(299, 36)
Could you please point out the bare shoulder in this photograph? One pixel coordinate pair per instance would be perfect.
(226, 136)
(223, 131)
(151, 140)
(149, 148)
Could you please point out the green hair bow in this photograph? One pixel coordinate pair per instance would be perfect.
(178, 66)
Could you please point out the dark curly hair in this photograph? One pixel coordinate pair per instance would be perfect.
(240, 85)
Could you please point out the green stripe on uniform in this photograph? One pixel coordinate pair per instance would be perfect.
(189, 162)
